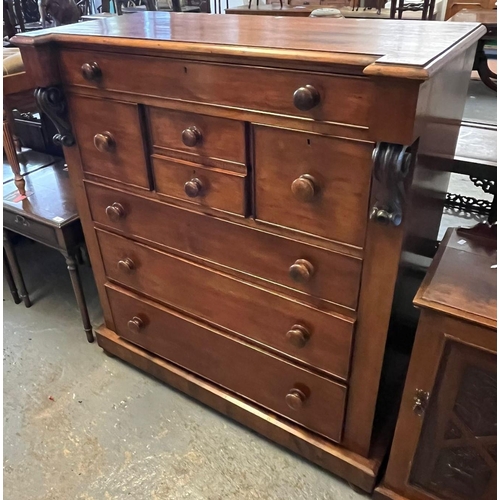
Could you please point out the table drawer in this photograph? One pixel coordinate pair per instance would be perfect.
(313, 183)
(110, 139)
(320, 339)
(198, 138)
(214, 188)
(30, 228)
(333, 98)
(315, 402)
(336, 277)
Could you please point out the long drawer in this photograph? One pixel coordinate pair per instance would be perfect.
(321, 96)
(317, 184)
(306, 398)
(335, 277)
(322, 340)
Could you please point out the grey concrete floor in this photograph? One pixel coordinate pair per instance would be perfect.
(112, 432)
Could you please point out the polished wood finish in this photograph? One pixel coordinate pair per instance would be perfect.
(227, 362)
(249, 311)
(253, 252)
(301, 180)
(200, 185)
(110, 140)
(226, 270)
(445, 441)
(273, 10)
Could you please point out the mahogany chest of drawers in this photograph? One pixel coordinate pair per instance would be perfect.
(247, 188)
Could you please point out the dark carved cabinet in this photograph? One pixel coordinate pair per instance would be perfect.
(446, 438)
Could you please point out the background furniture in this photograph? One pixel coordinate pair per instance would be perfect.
(489, 19)
(446, 436)
(426, 7)
(48, 215)
(278, 223)
(455, 6)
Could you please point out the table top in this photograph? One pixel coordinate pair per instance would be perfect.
(29, 161)
(486, 17)
(395, 48)
(50, 197)
(462, 280)
(275, 10)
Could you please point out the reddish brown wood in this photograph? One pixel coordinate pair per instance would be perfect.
(229, 303)
(304, 168)
(202, 186)
(253, 252)
(320, 204)
(110, 139)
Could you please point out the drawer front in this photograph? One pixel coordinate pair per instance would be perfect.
(202, 186)
(333, 98)
(315, 402)
(198, 138)
(313, 183)
(31, 229)
(110, 139)
(314, 337)
(335, 277)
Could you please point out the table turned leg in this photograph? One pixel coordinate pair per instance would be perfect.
(10, 279)
(16, 270)
(11, 153)
(80, 298)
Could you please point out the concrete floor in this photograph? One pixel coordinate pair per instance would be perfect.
(112, 432)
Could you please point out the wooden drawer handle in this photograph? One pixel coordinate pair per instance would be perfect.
(301, 271)
(298, 335)
(136, 324)
(295, 399)
(306, 98)
(126, 265)
(104, 142)
(191, 136)
(193, 188)
(115, 212)
(305, 188)
(91, 71)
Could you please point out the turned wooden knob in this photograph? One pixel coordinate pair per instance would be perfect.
(295, 399)
(115, 212)
(91, 71)
(301, 271)
(191, 136)
(298, 335)
(135, 325)
(126, 265)
(104, 142)
(304, 188)
(193, 188)
(306, 98)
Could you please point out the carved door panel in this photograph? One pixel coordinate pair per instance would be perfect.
(456, 453)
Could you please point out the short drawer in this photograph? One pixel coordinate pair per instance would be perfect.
(313, 183)
(320, 339)
(319, 96)
(335, 277)
(30, 228)
(308, 399)
(198, 138)
(199, 185)
(110, 139)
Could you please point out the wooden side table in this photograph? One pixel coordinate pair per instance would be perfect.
(49, 216)
(445, 441)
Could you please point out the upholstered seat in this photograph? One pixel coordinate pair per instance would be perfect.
(12, 61)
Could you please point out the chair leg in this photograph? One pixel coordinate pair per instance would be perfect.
(80, 297)
(16, 270)
(10, 280)
(10, 151)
